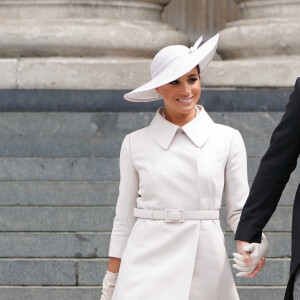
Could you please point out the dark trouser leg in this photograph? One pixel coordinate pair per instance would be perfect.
(296, 293)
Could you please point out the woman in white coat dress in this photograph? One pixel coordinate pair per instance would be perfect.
(166, 242)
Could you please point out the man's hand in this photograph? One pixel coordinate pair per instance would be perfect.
(246, 254)
(250, 258)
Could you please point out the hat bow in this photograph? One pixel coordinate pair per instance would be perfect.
(196, 45)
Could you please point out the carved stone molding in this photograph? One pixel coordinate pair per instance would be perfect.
(83, 28)
(266, 29)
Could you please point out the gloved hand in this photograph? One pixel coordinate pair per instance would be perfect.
(108, 286)
(257, 251)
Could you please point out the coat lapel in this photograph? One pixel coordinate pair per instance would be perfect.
(198, 130)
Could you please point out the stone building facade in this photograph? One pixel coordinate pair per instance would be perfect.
(64, 66)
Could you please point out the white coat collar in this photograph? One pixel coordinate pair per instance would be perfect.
(198, 130)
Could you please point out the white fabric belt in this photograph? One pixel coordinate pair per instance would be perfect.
(176, 215)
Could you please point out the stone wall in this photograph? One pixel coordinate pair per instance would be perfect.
(59, 184)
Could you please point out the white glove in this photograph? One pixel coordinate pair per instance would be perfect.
(108, 285)
(257, 251)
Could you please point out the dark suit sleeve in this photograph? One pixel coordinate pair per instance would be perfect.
(274, 171)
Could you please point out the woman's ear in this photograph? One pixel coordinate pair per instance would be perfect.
(157, 89)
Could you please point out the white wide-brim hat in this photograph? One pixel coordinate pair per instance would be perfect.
(172, 62)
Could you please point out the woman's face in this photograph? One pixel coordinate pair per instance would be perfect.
(181, 95)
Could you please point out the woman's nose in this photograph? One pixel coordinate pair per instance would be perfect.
(185, 89)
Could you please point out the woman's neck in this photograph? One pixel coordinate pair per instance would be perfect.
(180, 119)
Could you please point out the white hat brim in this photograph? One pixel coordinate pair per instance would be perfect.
(174, 70)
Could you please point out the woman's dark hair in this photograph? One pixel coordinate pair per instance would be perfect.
(198, 69)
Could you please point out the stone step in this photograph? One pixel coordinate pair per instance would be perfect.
(275, 272)
(56, 219)
(252, 124)
(90, 272)
(68, 193)
(93, 293)
(281, 220)
(61, 146)
(71, 123)
(96, 245)
(261, 293)
(94, 146)
(82, 169)
(58, 193)
(48, 272)
(54, 245)
(50, 293)
(109, 123)
(59, 169)
(96, 219)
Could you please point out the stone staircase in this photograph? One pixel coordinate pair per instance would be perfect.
(58, 188)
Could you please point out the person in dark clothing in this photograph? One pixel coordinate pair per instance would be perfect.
(274, 171)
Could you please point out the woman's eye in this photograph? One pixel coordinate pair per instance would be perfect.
(174, 82)
(193, 79)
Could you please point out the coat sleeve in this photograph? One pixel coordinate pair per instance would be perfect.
(128, 193)
(236, 187)
(274, 171)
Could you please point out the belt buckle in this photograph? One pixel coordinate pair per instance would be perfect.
(174, 216)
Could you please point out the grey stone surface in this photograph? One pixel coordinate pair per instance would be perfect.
(71, 124)
(288, 194)
(58, 193)
(54, 245)
(60, 146)
(96, 245)
(8, 73)
(79, 37)
(109, 123)
(254, 162)
(81, 168)
(82, 73)
(256, 146)
(68, 193)
(281, 221)
(91, 73)
(57, 210)
(90, 272)
(214, 100)
(280, 244)
(49, 293)
(59, 9)
(93, 146)
(261, 293)
(93, 293)
(47, 272)
(37, 272)
(271, 72)
(97, 219)
(62, 219)
(275, 272)
(249, 124)
(59, 169)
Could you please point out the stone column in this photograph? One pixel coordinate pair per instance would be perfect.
(81, 43)
(262, 48)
